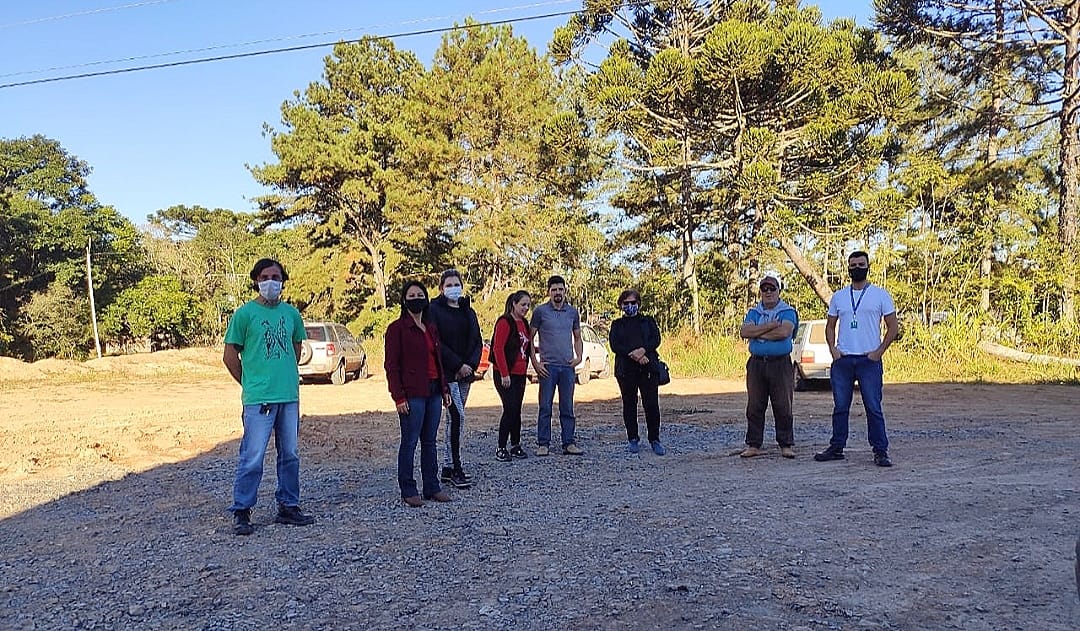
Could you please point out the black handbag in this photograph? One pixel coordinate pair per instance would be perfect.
(663, 375)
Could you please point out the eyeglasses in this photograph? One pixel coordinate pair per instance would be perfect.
(768, 288)
(629, 302)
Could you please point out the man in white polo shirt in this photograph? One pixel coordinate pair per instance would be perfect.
(857, 347)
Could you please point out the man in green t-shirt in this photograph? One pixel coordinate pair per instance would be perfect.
(262, 348)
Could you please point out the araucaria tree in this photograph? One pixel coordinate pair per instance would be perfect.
(738, 119)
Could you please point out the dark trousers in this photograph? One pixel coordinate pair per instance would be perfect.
(769, 379)
(643, 381)
(510, 422)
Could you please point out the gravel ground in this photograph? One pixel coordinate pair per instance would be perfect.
(973, 529)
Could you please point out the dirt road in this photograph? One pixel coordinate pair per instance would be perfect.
(974, 528)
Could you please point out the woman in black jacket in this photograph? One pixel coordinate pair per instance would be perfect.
(634, 338)
(460, 348)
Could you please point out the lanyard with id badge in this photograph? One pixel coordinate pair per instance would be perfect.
(855, 305)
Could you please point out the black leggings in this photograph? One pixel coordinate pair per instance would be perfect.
(510, 423)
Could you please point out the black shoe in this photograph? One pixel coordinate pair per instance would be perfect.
(465, 474)
(502, 455)
(447, 474)
(293, 516)
(517, 452)
(881, 459)
(459, 481)
(830, 453)
(242, 525)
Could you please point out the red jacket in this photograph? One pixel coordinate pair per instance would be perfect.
(406, 359)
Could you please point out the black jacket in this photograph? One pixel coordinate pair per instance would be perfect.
(628, 333)
(459, 332)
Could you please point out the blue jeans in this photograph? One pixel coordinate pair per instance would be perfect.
(283, 419)
(845, 372)
(421, 425)
(563, 378)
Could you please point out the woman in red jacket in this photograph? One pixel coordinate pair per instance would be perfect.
(414, 376)
(511, 349)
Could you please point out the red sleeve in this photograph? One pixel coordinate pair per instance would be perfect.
(392, 362)
(498, 343)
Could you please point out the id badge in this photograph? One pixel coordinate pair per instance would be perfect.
(854, 324)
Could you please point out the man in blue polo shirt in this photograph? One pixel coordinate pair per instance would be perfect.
(770, 326)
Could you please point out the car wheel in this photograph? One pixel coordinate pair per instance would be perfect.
(339, 376)
(800, 381)
(606, 372)
(363, 373)
(584, 375)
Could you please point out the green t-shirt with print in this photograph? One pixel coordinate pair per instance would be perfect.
(265, 335)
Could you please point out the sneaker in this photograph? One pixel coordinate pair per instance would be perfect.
(502, 455)
(787, 452)
(242, 525)
(572, 450)
(830, 453)
(293, 516)
(465, 474)
(517, 452)
(459, 480)
(441, 496)
(447, 474)
(881, 459)
(542, 450)
(633, 445)
(658, 448)
(751, 452)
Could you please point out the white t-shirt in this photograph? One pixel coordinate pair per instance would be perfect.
(858, 317)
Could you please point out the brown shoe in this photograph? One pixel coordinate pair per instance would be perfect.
(787, 452)
(441, 496)
(751, 452)
(413, 501)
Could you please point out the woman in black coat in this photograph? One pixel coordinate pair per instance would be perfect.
(634, 338)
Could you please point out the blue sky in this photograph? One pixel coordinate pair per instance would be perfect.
(183, 135)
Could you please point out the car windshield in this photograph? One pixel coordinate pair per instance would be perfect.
(315, 333)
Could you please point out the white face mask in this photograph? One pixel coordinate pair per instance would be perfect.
(453, 293)
(270, 289)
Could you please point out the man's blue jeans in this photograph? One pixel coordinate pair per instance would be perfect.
(283, 419)
(844, 373)
(563, 378)
(421, 425)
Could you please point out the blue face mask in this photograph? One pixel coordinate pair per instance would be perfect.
(631, 310)
(453, 293)
(270, 289)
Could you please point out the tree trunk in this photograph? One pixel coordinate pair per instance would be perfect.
(809, 272)
(1070, 160)
(998, 83)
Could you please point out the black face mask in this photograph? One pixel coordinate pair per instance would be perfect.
(858, 274)
(416, 305)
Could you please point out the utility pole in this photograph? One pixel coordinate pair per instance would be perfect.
(90, 289)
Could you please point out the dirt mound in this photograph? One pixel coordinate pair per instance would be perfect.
(185, 360)
(12, 369)
(198, 361)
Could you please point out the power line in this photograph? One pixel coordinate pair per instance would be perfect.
(82, 13)
(275, 39)
(289, 49)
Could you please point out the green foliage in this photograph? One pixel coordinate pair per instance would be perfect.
(56, 323)
(47, 218)
(157, 308)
